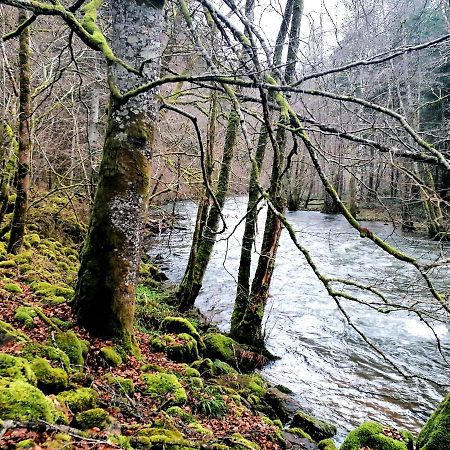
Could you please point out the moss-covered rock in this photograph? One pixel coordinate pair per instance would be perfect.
(223, 368)
(183, 348)
(219, 346)
(165, 385)
(9, 333)
(26, 315)
(78, 400)
(50, 293)
(120, 383)
(49, 379)
(435, 435)
(317, 429)
(59, 441)
(300, 433)
(14, 288)
(111, 356)
(378, 437)
(179, 325)
(73, 347)
(96, 417)
(24, 402)
(327, 444)
(206, 367)
(176, 411)
(161, 438)
(241, 443)
(34, 350)
(16, 368)
(26, 444)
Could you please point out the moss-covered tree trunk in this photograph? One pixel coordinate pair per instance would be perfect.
(193, 279)
(246, 325)
(23, 171)
(105, 293)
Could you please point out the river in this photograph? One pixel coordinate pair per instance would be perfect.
(333, 373)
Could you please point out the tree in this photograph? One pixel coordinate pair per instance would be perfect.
(24, 142)
(112, 251)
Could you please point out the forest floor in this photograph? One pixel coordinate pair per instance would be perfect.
(62, 388)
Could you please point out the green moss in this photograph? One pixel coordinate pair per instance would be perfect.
(191, 372)
(182, 349)
(241, 443)
(73, 347)
(372, 435)
(200, 429)
(26, 315)
(59, 441)
(50, 292)
(49, 379)
(179, 325)
(8, 332)
(96, 417)
(78, 400)
(317, 429)
(120, 383)
(32, 239)
(206, 367)
(27, 443)
(176, 411)
(435, 435)
(327, 444)
(300, 433)
(121, 441)
(223, 367)
(33, 350)
(111, 356)
(16, 368)
(7, 263)
(165, 385)
(219, 346)
(13, 288)
(23, 402)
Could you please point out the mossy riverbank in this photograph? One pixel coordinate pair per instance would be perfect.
(191, 387)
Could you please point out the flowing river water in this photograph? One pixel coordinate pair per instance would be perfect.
(334, 374)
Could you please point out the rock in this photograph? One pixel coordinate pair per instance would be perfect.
(435, 435)
(317, 429)
(183, 348)
(111, 356)
(16, 368)
(179, 325)
(165, 385)
(378, 437)
(78, 400)
(283, 404)
(327, 444)
(23, 402)
(219, 346)
(96, 417)
(206, 367)
(294, 442)
(73, 347)
(49, 379)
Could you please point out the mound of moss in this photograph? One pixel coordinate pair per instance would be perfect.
(179, 325)
(183, 348)
(74, 348)
(16, 368)
(111, 356)
(121, 384)
(317, 429)
(24, 402)
(49, 379)
(26, 315)
(165, 385)
(219, 346)
(435, 435)
(378, 437)
(78, 400)
(96, 417)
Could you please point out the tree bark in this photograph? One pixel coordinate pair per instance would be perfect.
(23, 171)
(105, 293)
(248, 312)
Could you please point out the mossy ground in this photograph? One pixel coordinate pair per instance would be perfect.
(64, 375)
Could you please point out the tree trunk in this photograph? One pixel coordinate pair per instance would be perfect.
(23, 171)
(193, 278)
(248, 312)
(105, 293)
